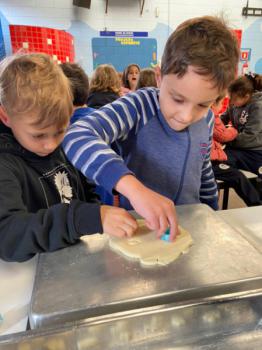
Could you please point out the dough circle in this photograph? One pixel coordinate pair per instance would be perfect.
(150, 250)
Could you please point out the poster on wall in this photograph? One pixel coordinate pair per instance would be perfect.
(122, 48)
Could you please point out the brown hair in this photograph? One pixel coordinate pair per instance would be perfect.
(207, 44)
(34, 84)
(79, 82)
(125, 81)
(246, 84)
(105, 78)
(147, 77)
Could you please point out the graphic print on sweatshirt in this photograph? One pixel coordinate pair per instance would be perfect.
(58, 180)
(243, 117)
(63, 185)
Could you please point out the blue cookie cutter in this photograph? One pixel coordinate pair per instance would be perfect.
(165, 236)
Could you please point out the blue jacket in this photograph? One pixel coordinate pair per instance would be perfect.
(80, 113)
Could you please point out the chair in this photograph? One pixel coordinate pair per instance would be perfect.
(221, 185)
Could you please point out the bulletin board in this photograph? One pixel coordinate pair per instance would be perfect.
(121, 51)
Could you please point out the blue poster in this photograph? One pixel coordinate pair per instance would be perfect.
(122, 51)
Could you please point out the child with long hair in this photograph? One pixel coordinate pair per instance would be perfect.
(233, 177)
(105, 86)
(147, 77)
(130, 77)
(245, 114)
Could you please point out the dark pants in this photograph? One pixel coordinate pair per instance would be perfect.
(245, 159)
(235, 179)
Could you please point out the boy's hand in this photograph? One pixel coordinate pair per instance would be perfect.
(117, 222)
(158, 211)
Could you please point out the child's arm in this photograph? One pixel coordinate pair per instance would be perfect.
(225, 117)
(223, 134)
(24, 234)
(87, 145)
(251, 133)
(158, 211)
(208, 189)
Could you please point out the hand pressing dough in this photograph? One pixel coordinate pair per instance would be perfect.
(150, 250)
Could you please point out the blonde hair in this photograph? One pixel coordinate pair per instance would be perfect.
(105, 78)
(32, 84)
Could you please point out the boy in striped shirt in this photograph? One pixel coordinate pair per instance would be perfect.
(153, 146)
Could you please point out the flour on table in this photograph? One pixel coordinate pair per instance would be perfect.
(150, 250)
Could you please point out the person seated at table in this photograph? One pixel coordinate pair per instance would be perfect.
(163, 135)
(233, 177)
(245, 114)
(105, 86)
(80, 89)
(45, 203)
(130, 78)
(147, 77)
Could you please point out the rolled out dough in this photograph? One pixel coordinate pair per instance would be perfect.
(150, 250)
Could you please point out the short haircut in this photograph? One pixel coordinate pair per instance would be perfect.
(246, 84)
(105, 78)
(207, 44)
(125, 81)
(147, 77)
(34, 85)
(79, 82)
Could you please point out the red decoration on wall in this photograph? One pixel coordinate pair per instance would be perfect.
(57, 43)
(238, 33)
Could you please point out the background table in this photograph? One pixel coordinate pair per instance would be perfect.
(16, 285)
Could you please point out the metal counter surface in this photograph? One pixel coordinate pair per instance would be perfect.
(248, 222)
(89, 279)
(218, 325)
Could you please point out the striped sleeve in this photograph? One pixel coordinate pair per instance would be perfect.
(208, 189)
(87, 142)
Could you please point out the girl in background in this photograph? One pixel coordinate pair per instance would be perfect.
(130, 78)
(105, 86)
(245, 114)
(233, 177)
(147, 77)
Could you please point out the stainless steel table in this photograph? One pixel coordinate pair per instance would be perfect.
(219, 325)
(90, 280)
(248, 222)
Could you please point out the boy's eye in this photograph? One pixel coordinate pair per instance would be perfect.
(204, 106)
(60, 132)
(40, 136)
(177, 100)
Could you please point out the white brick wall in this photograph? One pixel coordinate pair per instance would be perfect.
(125, 15)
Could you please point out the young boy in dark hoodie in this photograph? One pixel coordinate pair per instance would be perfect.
(45, 203)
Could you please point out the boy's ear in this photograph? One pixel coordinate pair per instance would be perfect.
(4, 117)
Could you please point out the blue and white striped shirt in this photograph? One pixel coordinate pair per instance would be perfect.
(131, 136)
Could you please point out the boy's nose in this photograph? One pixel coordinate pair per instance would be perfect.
(50, 145)
(188, 116)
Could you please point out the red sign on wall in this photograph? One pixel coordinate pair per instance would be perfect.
(245, 54)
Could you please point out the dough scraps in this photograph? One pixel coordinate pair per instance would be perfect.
(150, 250)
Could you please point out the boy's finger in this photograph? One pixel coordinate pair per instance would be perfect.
(174, 231)
(164, 225)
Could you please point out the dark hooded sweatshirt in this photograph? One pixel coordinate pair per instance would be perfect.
(248, 122)
(45, 203)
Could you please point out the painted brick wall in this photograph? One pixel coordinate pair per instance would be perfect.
(57, 43)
